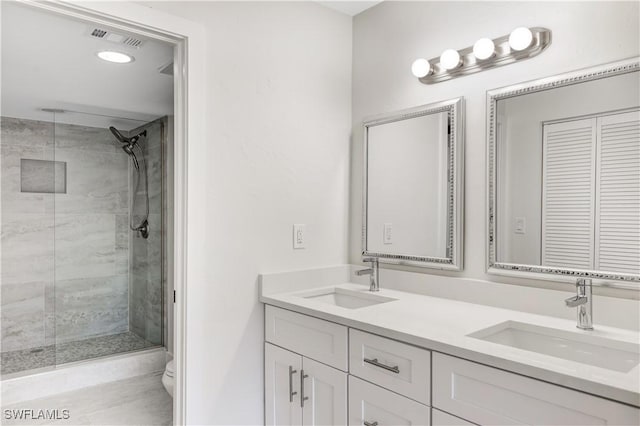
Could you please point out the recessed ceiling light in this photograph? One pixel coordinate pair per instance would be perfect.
(117, 57)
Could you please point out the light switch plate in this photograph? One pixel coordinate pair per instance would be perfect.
(521, 225)
(299, 236)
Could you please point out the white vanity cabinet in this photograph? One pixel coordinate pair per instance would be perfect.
(389, 381)
(305, 370)
(396, 366)
(392, 383)
(372, 405)
(440, 418)
(301, 391)
(488, 396)
(281, 383)
(314, 338)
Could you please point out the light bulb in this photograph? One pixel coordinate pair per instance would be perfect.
(520, 38)
(117, 57)
(450, 59)
(483, 49)
(421, 68)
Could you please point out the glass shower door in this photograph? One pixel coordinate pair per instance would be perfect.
(30, 180)
(98, 298)
(78, 280)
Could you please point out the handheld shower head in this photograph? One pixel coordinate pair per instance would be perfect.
(129, 150)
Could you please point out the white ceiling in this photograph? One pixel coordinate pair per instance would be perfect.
(49, 61)
(350, 8)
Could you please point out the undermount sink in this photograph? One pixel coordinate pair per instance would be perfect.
(346, 298)
(578, 347)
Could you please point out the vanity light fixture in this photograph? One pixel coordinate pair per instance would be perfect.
(421, 68)
(484, 49)
(521, 43)
(520, 38)
(450, 59)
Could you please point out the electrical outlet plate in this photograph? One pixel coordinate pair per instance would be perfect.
(387, 235)
(299, 236)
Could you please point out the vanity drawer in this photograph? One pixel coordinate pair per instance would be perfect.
(486, 395)
(376, 406)
(314, 338)
(440, 418)
(397, 366)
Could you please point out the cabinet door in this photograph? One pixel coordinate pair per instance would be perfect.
(488, 396)
(372, 405)
(282, 386)
(326, 390)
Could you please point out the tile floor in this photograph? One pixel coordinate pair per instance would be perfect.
(27, 359)
(136, 401)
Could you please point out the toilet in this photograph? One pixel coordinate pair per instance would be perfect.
(167, 377)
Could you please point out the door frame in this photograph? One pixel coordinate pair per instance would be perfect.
(188, 39)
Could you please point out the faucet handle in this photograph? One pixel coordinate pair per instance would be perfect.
(370, 259)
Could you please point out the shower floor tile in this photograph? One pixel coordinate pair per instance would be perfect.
(47, 356)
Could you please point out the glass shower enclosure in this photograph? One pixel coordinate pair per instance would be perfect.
(79, 279)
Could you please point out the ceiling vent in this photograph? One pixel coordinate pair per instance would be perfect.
(116, 38)
(133, 42)
(97, 32)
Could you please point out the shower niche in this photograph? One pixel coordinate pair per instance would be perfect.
(84, 217)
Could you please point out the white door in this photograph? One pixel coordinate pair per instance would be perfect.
(325, 395)
(371, 405)
(569, 152)
(282, 386)
(618, 200)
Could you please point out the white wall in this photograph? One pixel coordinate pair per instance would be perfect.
(277, 153)
(388, 37)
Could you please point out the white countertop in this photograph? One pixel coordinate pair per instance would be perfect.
(443, 325)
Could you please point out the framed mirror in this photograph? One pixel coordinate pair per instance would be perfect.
(413, 186)
(564, 176)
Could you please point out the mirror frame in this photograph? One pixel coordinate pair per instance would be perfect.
(455, 193)
(493, 96)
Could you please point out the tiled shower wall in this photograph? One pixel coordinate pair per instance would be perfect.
(146, 303)
(86, 237)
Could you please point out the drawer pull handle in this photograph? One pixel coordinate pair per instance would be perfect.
(302, 397)
(394, 369)
(366, 423)
(291, 392)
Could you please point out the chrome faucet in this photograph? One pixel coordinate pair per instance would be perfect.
(374, 278)
(583, 300)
